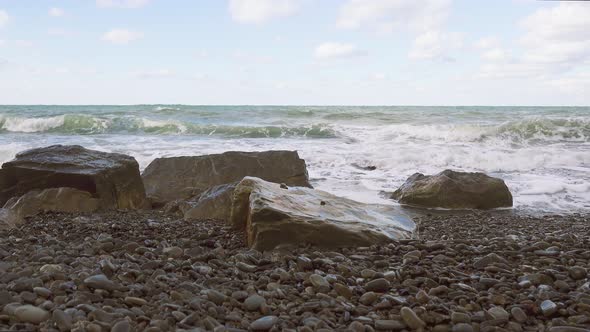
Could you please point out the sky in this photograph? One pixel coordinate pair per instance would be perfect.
(295, 52)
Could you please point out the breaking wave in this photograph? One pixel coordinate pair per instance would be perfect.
(88, 125)
(530, 131)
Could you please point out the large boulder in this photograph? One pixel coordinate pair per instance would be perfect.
(112, 178)
(454, 190)
(274, 215)
(169, 179)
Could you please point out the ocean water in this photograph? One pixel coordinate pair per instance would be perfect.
(543, 153)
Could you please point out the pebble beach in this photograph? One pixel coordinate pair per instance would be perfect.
(151, 271)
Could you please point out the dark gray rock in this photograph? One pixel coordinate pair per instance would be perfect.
(112, 178)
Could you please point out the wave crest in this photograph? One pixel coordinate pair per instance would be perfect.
(528, 131)
(88, 125)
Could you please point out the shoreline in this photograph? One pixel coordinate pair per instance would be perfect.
(165, 273)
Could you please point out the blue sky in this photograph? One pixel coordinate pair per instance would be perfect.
(321, 52)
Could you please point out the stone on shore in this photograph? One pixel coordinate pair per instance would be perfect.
(274, 216)
(31, 314)
(62, 320)
(489, 259)
(411, 319)
(379, 285)
(100, 281)
(213, 203)
(264, 323)
(169, 179)
(454, 190)
(111, 178)
(52, 200)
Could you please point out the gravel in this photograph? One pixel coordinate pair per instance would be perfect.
(149, 271)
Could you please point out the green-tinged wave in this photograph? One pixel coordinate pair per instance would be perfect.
(576, 129)
(89, 125)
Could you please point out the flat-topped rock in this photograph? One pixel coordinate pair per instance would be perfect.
(274, 215)
(169, 179)
(112, 178)
(454, 190)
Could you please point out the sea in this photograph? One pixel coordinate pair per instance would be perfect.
(360, 152)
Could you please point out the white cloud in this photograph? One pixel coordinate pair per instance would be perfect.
(121, 36)
(333, 50)
(281, 85)
(2, 42)
(510, 69)
(378, 76)
(388, 15)
(260, 11)
(487, 42)
(154, 74)
(56, 12)
(425, 19)
(435, 45)
(4, 18)
(62, 70)
(555, 41)
(576, 84)
(559, 34)
(131, 4)
(495, 54)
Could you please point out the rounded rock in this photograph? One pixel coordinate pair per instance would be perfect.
(411, 319)
(121, 326)
(100, 281)
(215, 296)
(62, 320)
(264, 323)
(343, 290)
(518, 314)
(499, 313)
(462, 327)
(548, 308)
(460, 317)
(577, 272)
(31, 314)
(390, 325)
(368, 298)
(254, 302)
(135, 301)
(173, 252)
(319, 282)
(379, 285)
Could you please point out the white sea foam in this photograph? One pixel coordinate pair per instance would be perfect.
(32, 125)
(163, 124)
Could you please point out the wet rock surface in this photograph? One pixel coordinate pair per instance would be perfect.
(112, 178)
(454, 190)
(274, 216)
(179, 178)
(148, 271)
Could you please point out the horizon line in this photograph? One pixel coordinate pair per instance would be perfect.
(305, 105)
